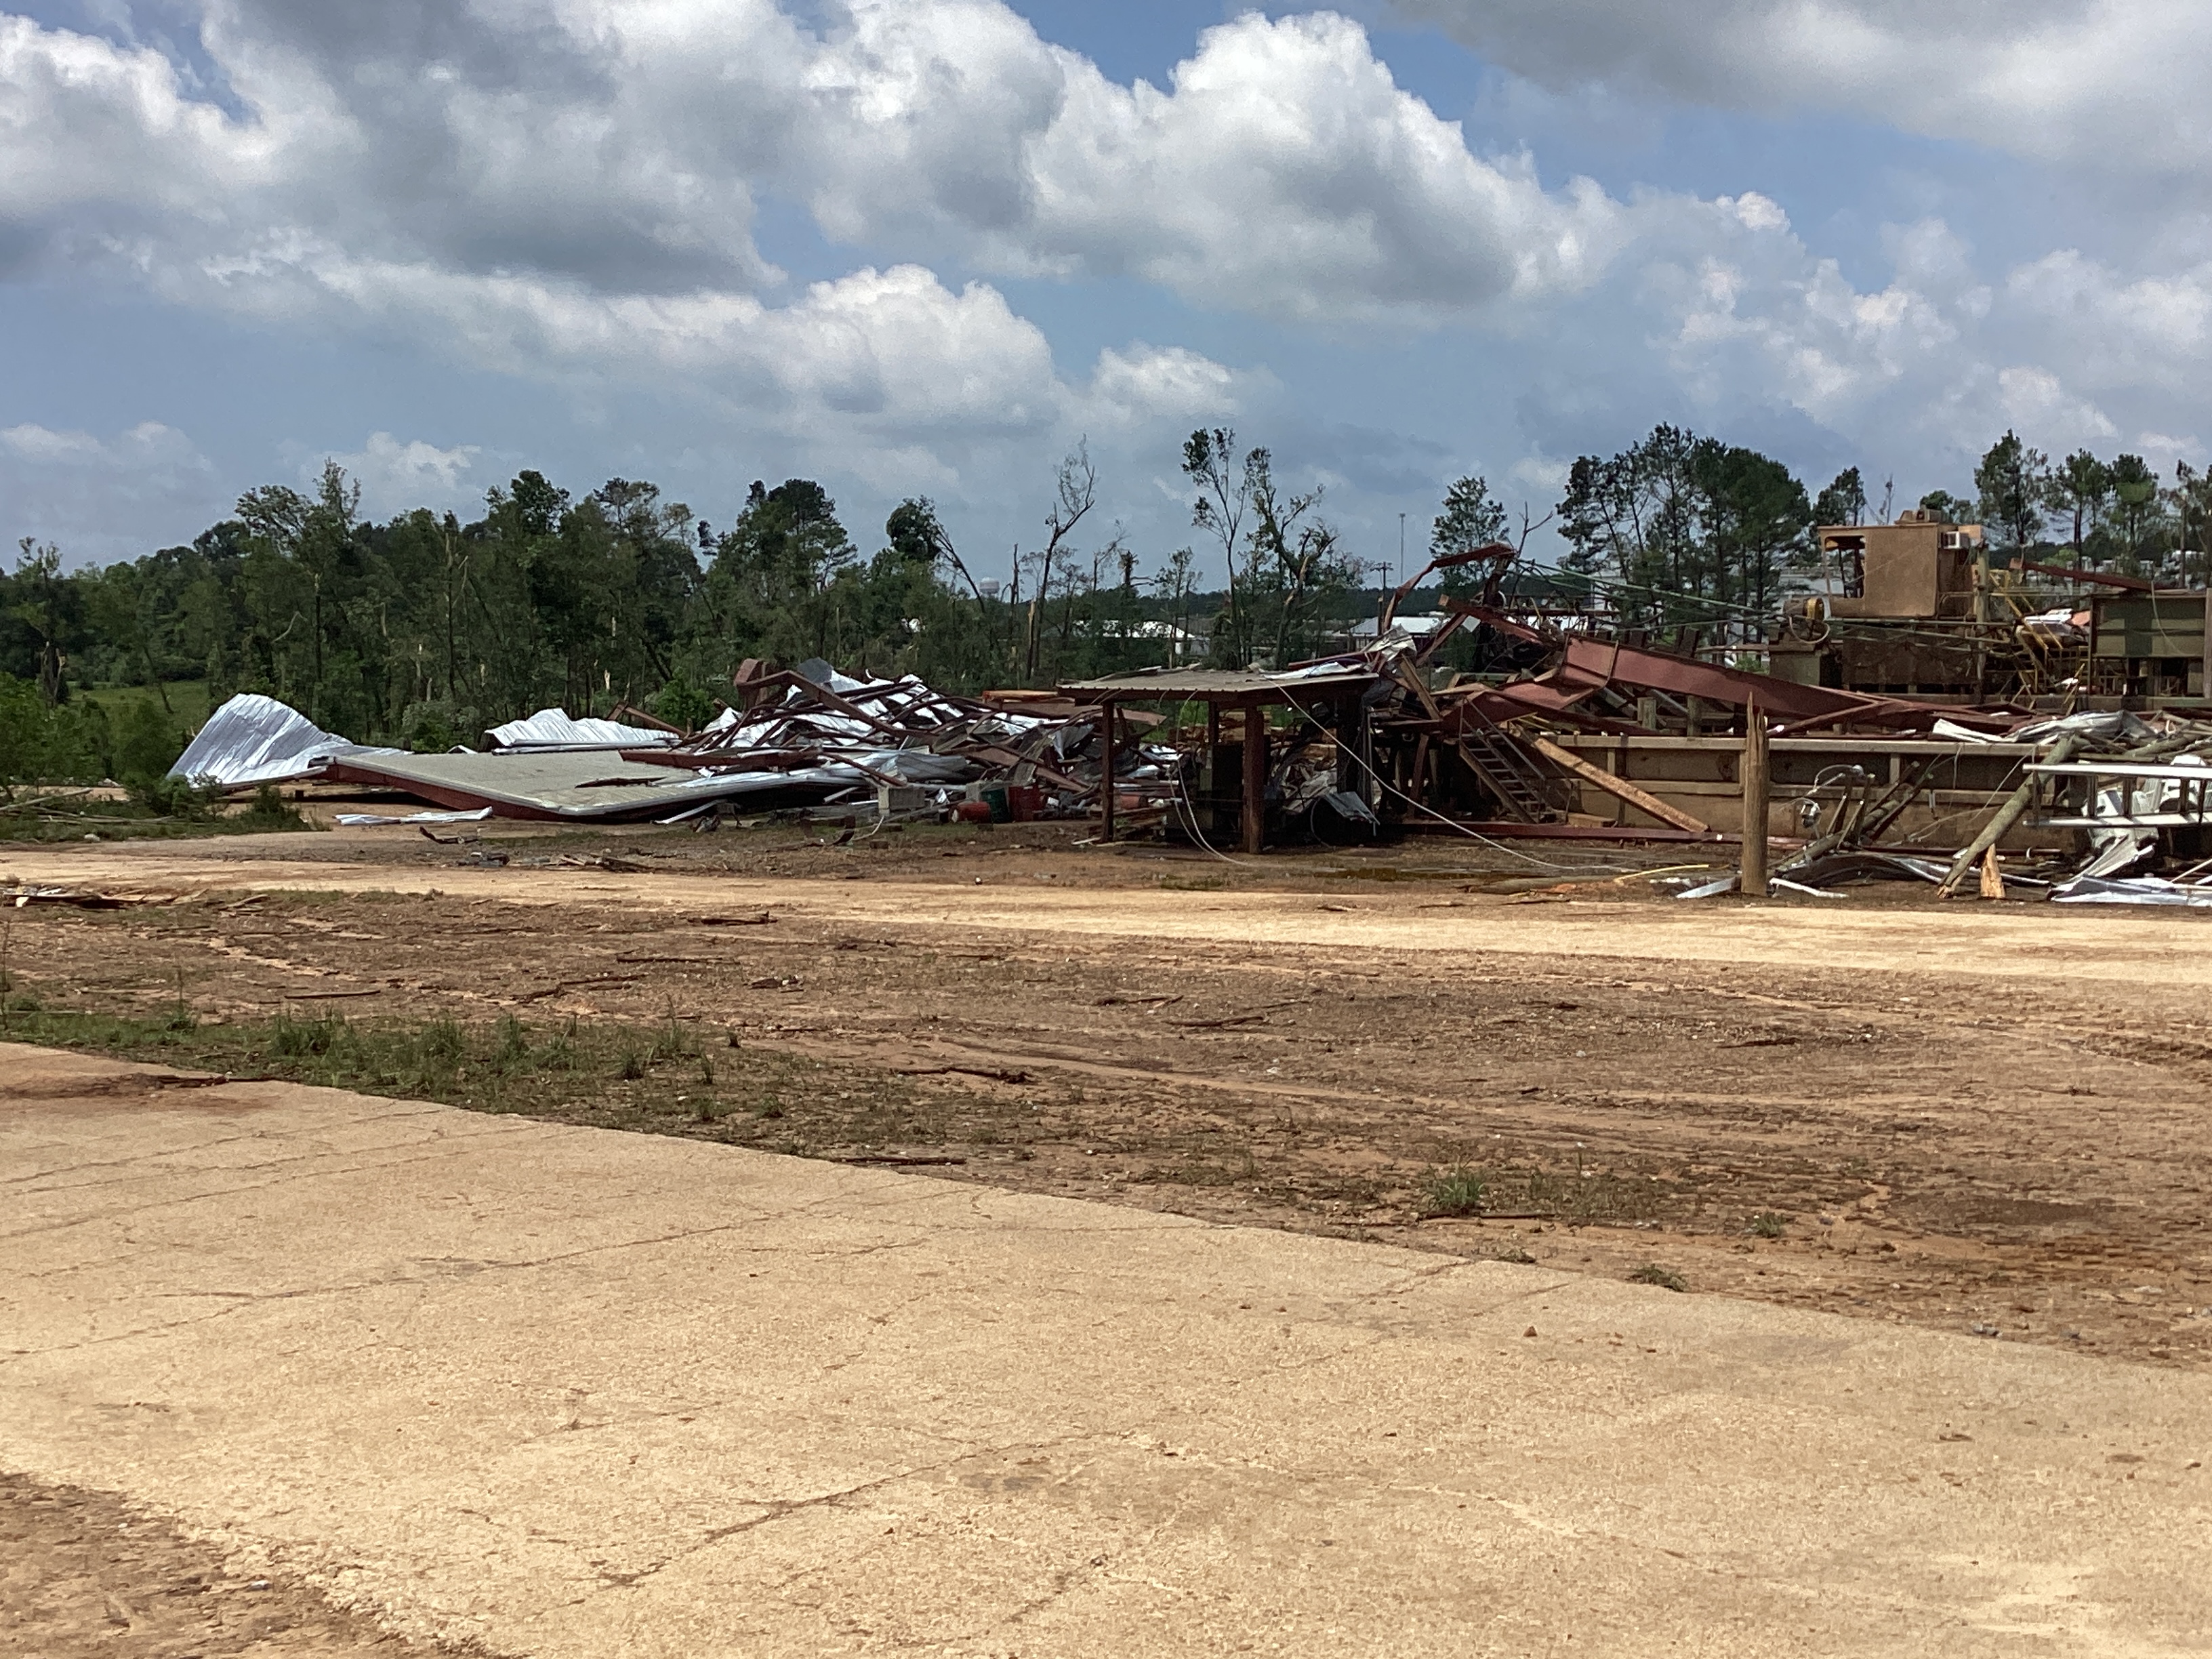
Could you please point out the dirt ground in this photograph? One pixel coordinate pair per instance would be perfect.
(1971, 1144)
(1932, 1145)
(85, 1576)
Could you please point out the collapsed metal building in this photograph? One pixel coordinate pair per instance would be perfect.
(1931, 707)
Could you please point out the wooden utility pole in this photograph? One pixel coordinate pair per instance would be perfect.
(1106, 785)
(1255, 778)
(1752, 774)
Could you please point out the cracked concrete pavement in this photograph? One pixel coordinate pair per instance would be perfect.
(572, 1392)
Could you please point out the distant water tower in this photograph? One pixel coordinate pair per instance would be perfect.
(989, 587)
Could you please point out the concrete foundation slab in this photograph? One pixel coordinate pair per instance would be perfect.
(571, 1392)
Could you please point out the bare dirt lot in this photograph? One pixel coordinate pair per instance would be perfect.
(1977, 1118)
(85, 1576)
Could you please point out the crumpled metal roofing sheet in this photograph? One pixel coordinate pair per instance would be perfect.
(254, 740)
(573, 784)
(554, 728)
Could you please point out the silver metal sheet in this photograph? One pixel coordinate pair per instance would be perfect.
(570, 784)
(556, 728)
(253, 739)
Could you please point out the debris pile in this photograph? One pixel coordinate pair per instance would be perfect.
(2104, 806)
(807, 739)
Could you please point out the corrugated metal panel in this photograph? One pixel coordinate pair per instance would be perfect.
(252, 740)
(555, 728)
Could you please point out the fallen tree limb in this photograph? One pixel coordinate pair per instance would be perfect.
(2005, 816)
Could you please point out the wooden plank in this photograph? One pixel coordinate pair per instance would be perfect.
(1620, 787)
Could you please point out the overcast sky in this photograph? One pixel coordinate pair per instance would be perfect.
(925, 246)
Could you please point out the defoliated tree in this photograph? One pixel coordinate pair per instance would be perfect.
(1293, 562)
(2191, 499)
(1075, 494)
(1224, 493)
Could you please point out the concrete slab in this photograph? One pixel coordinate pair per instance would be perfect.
(572, 1392)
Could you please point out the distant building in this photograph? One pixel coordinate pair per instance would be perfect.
(1363, 633)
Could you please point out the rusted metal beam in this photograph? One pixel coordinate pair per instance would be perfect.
(1596, 663)
(2098, 578)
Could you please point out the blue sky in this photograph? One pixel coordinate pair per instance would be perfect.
(928, 246)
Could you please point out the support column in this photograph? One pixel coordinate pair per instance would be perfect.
(1255, 777)
(1106, 724)
(1752, 774)
(2205, 678)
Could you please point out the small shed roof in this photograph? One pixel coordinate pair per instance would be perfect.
(1223, 684)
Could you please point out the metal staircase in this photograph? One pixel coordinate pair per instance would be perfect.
(1525, 786)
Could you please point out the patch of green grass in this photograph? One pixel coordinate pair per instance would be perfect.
(1583, 1195)
(1455, 1191)
(161, 808)
(1194, 1172)
(1665, 1278)
(1767, 1223)
(606, 1073)
(188, 704)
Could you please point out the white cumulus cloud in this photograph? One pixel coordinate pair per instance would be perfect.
(2098, 83)
(395, 477)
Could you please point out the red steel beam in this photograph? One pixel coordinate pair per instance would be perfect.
(1603, 662)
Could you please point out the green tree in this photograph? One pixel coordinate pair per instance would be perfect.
(50, 609)
(1472, 520)
(1692, 534)
(769, 591)
(2079, 493)
(2138, 514)
(1755, 515)
(1844, 501)
(2014, 484)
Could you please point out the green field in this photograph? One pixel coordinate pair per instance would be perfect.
(188, 699)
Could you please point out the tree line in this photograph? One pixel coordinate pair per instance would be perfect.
(422, 629)
(1701, 538)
